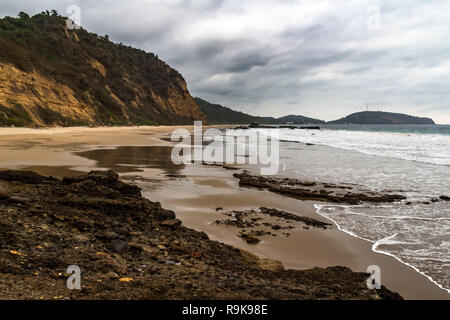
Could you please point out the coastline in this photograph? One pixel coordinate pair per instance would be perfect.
(195, 197)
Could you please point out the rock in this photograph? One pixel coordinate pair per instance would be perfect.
(29, 177)
(276, 227)
(296, 188)
(18, 199)
(80, 238)
(172, 223)
(112, 275)
(336, 287)
(60, 217)
(119, 246)
(445, 198)
(35, 251)
(270, 265)
(249, 238)
(203, 235)
(249, 257)
(122, 231)
(219, 209)
(82, 224)
(163, 214)
(16, 253)
(300, 290)
(100, 256)
(108, 234)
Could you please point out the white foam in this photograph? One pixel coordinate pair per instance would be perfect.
(428, 148)
(376, 244)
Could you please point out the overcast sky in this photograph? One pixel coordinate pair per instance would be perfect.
(323, 59)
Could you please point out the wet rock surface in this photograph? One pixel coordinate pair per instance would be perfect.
(254, 223)
(311, 190)
(124, 251)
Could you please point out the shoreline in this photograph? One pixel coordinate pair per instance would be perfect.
(128, 247)
(374, 249)
(211, 178)
(302, 249)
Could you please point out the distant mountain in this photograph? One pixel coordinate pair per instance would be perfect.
(218, 114)
(299, 120)
(55, 75)
(380, 117)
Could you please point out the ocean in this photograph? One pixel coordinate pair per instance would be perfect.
(413, 160)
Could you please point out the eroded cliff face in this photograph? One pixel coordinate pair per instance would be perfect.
(50, 75)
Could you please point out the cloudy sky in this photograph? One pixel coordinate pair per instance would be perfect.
(323, 59)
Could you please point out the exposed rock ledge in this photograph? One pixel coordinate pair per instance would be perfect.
(311, 190)
(131, 248)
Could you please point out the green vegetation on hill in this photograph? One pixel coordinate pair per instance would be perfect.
(299, 120)
(380, 117)
(218, 114)
(52, 75)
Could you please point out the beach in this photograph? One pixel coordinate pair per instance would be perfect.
(200, 195)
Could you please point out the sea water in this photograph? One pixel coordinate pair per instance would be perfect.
(410, 160)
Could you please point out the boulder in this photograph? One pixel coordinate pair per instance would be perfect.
(250, 239)
(171, 223)
(270, 265)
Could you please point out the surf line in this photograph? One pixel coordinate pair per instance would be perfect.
(375, 245)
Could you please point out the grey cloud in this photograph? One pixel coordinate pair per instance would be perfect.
(311, 57)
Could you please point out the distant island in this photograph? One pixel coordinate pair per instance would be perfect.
(218, 114)
(380, 117)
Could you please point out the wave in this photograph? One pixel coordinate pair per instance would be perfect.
(427, 148)
(389, 240)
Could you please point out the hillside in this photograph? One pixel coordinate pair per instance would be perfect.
(380, 117)
(218, 114)
(299, 119)
(51, 75)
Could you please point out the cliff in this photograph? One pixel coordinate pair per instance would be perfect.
(51, 75)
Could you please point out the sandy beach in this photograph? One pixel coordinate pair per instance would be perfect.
(200, 195)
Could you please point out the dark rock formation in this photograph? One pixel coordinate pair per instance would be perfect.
(309, 190)
(115, 236)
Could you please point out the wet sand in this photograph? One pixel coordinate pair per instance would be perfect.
(196, 196)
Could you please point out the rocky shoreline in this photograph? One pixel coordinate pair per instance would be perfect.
(254, 224)
(319, 191)
(128, 247)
